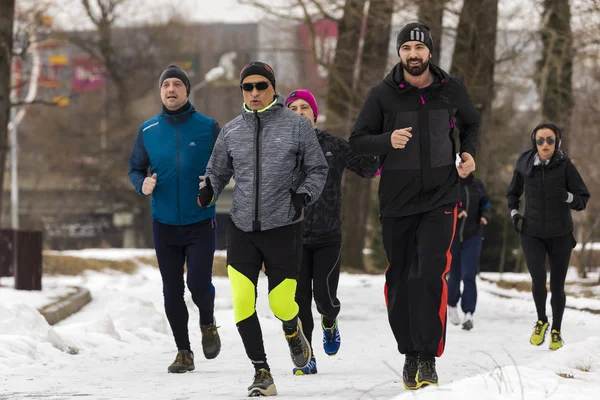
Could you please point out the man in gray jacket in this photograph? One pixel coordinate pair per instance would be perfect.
(279, 168)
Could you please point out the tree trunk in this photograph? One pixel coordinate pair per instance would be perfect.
(431, 13)
(7, 17)
(556, 65)
(339, 95)
(473, 62)
(357, 191)
(341, 73)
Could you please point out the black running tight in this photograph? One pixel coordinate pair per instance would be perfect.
(558, 249)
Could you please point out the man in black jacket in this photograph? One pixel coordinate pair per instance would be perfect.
(320, 271)
(473, 213)
(407, 120)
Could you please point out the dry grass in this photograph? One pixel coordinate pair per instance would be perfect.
(67, 265)
(220, 266)
(583, 366)
(565, 375)
(576, 289)
(521, 286)
(148, 261)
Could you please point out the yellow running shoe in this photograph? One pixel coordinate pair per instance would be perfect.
(539, 333)
(555, 340)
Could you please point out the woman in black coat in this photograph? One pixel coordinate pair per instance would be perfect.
(553, 188)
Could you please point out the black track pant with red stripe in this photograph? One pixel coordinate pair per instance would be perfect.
(418, 251)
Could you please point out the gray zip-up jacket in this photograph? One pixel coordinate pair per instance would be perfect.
(267, 152)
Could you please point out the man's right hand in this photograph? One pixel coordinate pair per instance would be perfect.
(149, 184)
(517, 220)
(206, 194)
(400, 137)
(463, 213)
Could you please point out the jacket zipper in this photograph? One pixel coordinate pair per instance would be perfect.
(256, 223)
(177, 173)
(543, 198)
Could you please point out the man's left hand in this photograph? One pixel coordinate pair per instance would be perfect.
(467, 165)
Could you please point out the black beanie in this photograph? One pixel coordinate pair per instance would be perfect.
(414, 31)
(258, 68)
(173, 71)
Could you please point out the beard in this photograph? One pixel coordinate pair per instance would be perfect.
(415, 70)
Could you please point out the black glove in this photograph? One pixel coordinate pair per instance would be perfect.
(517, 221)
(299, 201)
(206, 195)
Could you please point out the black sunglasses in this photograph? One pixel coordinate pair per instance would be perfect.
(549, 140)
(248, 87)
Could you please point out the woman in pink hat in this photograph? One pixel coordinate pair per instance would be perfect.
(320, 270)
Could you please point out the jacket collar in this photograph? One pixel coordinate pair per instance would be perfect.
(178, 118)
(395, 78)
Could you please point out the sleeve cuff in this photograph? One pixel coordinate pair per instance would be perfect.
(569, 197)
(513, 212)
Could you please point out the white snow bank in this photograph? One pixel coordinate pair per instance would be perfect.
(572, 372)
(24, 332)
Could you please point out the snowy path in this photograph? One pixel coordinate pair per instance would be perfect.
(125, 347)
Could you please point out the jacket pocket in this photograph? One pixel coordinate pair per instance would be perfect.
(442, 146)
(409, 157)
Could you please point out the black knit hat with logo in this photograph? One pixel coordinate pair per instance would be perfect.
(415, 31)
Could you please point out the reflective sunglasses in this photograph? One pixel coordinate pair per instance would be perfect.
(248, 87)
(549, 140)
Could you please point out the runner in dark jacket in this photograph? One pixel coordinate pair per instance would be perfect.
(473, 213)
(407, 120)
(320, 271)
(552, 188)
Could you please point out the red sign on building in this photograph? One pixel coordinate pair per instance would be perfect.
(88, 74)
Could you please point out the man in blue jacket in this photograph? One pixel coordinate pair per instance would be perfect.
(176, 146)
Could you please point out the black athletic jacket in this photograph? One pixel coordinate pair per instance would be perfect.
(323, 219)
(547, 214)
(422, 176)
(476, 202)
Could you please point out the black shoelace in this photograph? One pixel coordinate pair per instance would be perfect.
(296, 344)
(556, 337)
(428, 366)
(261, 375)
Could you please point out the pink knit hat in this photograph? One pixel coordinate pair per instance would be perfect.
(305, 95)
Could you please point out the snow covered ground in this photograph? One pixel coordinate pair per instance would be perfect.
(119, 347)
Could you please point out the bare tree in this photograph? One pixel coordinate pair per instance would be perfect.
(342, 78)
(6, 49)
(556, 64)
(431, 13)
(357, 191)
(474, 61)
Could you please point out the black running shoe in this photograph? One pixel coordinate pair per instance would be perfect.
(426, 374)
(300, 350)
(263, 384)
(184, 362)
(211, 342)
(409, 372)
